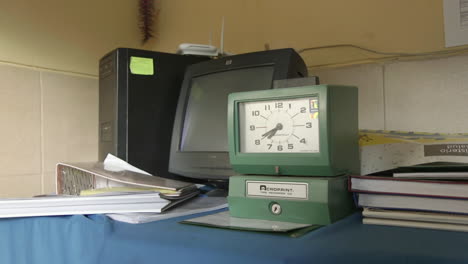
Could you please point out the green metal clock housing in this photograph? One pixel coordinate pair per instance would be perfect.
(301, 131)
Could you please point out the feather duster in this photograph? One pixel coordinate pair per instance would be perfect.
(147, 14)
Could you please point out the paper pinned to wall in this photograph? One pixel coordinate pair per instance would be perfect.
(456, 22)
(141, 66)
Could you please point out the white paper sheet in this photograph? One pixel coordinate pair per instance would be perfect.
(194, 206)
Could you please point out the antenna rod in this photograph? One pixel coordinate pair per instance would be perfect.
(221, 48)
(210, 38)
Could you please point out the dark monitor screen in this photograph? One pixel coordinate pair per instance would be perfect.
(205, 126)
(199, 146)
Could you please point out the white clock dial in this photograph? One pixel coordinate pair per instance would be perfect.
(277, 126)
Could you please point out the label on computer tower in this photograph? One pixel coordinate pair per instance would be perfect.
(291, 190)
(106, 66)
(106, 132)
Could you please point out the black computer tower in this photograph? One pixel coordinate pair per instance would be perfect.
(137, 103)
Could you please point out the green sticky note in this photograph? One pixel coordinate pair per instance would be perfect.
(141, 66)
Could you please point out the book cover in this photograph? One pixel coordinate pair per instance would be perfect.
(433, 175)
(406, 202)
(434, 170)
(415, 224)
(415, 216)
(412, 187)
(383, 150)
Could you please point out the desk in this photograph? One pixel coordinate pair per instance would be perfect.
(97, 239)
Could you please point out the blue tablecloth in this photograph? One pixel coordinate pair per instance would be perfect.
(98, 239)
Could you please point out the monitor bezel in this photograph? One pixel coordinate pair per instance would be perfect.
(216, 165)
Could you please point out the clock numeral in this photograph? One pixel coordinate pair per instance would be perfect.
(303, 109)
(257, 142)
(252, 128)
(278, 105)
(309, 124)
(303, 140)
(290, 146)
(269, 146)
(290, 106)
(280, 148)
(255, 113)
(267, 107)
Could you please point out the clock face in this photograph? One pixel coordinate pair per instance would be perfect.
(279, 126)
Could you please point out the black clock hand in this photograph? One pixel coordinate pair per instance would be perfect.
(272, 134)
(279, 126)
(268, 133)
(273, 131)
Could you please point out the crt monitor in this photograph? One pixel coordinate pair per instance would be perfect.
(199, 147)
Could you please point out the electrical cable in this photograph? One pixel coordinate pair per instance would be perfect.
(388, 55)
(30, 66)
(439, 52)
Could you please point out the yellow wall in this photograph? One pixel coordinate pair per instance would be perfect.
(65, 35)
(73, 35)
(396, 25)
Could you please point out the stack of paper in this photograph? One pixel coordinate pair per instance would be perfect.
(112, 187)
(69, 205)
(195, 206)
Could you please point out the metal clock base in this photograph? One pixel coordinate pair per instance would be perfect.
(307, 200)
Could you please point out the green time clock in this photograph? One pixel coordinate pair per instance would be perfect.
(302, 131)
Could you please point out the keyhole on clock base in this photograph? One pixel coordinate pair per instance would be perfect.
(275, 208)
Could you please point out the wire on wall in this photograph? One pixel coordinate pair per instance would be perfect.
(388, 55)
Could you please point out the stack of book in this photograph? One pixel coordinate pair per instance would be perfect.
(109, 187)
(426, 196)
(71, 205)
